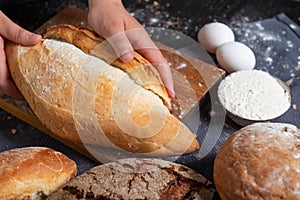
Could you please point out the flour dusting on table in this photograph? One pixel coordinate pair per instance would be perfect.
(272, 45)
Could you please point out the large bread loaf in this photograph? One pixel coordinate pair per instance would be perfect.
(259, 161)
(33, 172)
(81, 98)
(139, 69)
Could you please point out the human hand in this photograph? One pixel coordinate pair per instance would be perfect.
(112, 21)
(11, 31)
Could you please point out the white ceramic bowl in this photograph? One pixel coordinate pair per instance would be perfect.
(242, 121)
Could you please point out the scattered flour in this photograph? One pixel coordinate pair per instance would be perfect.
(156, 14)
(272, 46)
(278, 145)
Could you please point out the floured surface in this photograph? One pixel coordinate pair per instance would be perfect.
(64, 61)
(276, 46)
(8, 159)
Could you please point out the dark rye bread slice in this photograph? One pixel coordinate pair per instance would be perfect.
(137, 179)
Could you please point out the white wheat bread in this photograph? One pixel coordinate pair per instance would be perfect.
(135, 178)
(33, 172)
(260, 161)
(83, 99)
(139, 69)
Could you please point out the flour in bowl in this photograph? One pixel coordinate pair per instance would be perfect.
(253, 95)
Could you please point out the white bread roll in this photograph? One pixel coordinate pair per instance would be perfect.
(81, 98)
(259, 161)
(33, 172)
(137, 179)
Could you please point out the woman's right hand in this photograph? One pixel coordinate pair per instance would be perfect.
(111, 20)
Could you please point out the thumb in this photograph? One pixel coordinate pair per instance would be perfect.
(15, 33)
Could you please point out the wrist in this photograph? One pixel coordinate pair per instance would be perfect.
(93, 3)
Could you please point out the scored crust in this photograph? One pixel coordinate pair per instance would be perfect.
(139, 69)
(137, 179)
(58, 81)
(260, 161)
(30, 172)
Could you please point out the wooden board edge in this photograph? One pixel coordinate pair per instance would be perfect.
(36, 123)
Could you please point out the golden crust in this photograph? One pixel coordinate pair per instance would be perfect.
(139, 69)
(259, 161)
(30, 171)
(83, 99)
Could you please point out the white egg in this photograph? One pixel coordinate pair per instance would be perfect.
(235, 56)
(213, 35)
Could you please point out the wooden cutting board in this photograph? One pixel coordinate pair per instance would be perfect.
(192, 80)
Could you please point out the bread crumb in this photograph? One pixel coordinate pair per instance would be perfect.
(226, 125)
(294, 106)
(212, 113)
(155, 3)
(181, 65)
(14, 131)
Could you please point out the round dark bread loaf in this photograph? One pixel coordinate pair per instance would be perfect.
(260, 161)
(137, 179)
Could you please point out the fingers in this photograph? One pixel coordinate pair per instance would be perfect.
(122, 46)
(110, 25)
(139, 40)
(15, 33)
(142, 43)
(155, 57)
(126, 34)
(6, 84)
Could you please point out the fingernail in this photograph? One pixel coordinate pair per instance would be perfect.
(170, 105)
(34, 37)
(127, 57)
(171, 92)
(30, 36)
